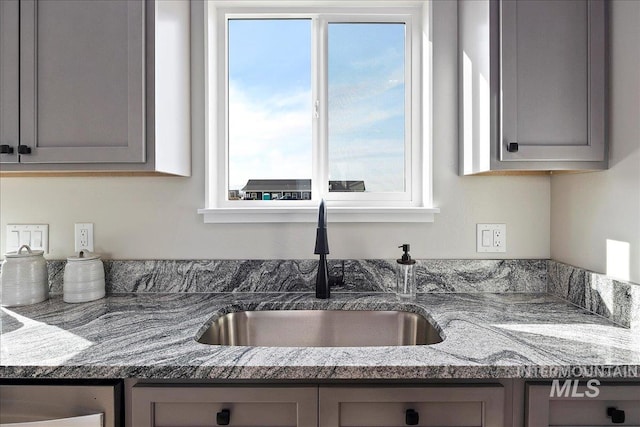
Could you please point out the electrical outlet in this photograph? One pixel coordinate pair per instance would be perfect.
(84, 237)
(491, 238)
(498, 238)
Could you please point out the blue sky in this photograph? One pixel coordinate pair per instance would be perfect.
(270, 102)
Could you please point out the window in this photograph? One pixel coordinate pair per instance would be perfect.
(309, 103)
(269, 97)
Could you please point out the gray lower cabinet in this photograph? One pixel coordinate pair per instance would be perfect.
(532, 82)
(75, 403)
(87, 96)
(423, 406)
(573, 403)
(194, 406)
(325, 406)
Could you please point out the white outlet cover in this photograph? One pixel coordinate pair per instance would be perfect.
(497, 240)
(78, 228)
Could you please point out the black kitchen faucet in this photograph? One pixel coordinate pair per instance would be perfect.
(322, 249)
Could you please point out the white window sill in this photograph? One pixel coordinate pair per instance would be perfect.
(310, 214)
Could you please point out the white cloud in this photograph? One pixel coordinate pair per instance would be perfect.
(360, 146)
(269, 138)
(361, 105)
(379, 163)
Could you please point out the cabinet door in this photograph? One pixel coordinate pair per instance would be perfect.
(82, 81)
(194, 406)
(553, 80)
(68, 405)
(9, 60)
(400, 406)
(573, 403)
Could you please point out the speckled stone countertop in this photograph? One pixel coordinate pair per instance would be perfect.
(514, 335)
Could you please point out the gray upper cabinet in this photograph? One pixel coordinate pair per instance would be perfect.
(532, 85)
(81, 86)
(9, 76)
(88, 99)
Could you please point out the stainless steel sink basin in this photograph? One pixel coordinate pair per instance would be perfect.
(320, 328)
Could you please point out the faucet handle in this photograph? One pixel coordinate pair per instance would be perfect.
(336, 279)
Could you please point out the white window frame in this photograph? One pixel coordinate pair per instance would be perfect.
(413, 205)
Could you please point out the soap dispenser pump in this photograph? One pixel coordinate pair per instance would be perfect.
(406, 276)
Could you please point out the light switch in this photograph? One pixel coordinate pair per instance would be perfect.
(25, 238)
(34, 235)
(487, 238)
(36, 239)
(13, 240)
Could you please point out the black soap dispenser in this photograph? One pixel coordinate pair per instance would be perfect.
(406, 275)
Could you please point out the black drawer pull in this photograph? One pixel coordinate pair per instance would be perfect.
(6, 149)
(617, 415)
(512, 147)
(411, 418)
(223, 417)
(24, 149)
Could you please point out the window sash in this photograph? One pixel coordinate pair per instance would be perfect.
(323, 160)
(413, 168)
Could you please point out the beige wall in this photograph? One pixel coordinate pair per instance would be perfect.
(150, 218)
(589, 209)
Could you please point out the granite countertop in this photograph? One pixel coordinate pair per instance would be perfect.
(514, 335)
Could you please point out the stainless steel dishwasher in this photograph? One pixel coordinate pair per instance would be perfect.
(58, 403)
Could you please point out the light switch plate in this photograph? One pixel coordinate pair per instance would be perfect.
(491, 238)
(34, 235)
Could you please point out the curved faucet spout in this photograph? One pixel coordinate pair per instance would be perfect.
(322, 249)
(322, 242)
(322, 215)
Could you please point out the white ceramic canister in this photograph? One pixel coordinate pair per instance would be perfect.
(83, 278)
(24, 279)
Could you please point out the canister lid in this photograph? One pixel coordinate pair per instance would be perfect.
(24, 252)
(84, 256)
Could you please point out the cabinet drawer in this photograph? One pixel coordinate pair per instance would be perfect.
(195, 406)
(552, 405)
(429, 406)
(394, 414)
(240, 413)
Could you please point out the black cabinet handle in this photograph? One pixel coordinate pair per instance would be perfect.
(617, 415)
(223, 417)
(512, 147)
(411, 418)
(24, 149)
(6, 149)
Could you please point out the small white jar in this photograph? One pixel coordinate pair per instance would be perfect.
(83, 278)
(24, 279)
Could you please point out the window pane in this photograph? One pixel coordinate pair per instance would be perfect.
(269, 86)
(366, 107)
